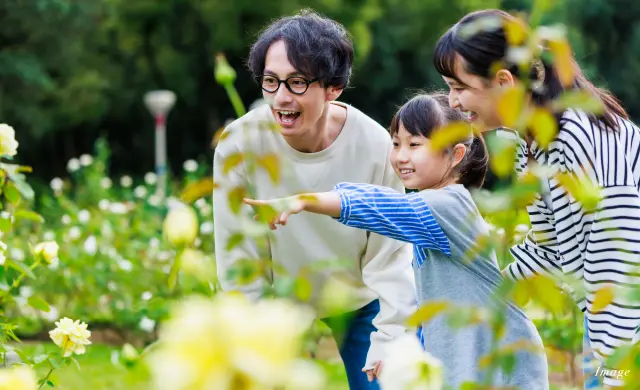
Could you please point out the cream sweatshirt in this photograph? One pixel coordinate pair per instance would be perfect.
(372, 266)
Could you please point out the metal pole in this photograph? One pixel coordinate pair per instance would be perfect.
(161, 156)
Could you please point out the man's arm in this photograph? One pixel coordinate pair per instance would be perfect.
(226, 224)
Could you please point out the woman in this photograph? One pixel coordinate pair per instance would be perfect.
(597, 248)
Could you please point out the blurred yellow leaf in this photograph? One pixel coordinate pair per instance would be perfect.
(562, 55)
(449, 135)
(271, 163)
(516, 31)
(426, 312)
(502, 162)
(302, 288)
(543, 290)
(603, 298)
(583, 190)
(235, 197)
(543, 125)
(521, 295)
(220, 135)
(197, 190)
(232, 161)
(266, 213)
(581, 100)
(510, 106)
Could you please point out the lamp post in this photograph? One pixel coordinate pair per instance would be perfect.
(159, 104)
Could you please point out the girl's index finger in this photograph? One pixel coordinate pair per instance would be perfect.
(254, 202)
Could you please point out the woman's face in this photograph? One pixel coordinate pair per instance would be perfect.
(476, 96)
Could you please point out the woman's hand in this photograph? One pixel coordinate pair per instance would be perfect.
(284, 207)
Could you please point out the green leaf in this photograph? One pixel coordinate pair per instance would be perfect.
(28, 214)
(38, 303)
(236, 197)
(40, 358)
(538, 10)
(24, 356)
(55, 363)
(19, 180)
(235, 240)
(11, 193)
(302, 289)
(507, 362)
(581, 100)
(5, 224)
(173, 274)
(76, 362)
(20, 267)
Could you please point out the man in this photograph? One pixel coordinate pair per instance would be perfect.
(303, 63)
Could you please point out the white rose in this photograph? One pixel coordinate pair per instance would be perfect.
(8, 143)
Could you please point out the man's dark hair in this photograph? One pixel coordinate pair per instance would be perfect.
(318, 47)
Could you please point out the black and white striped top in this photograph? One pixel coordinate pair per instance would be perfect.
(599, 247)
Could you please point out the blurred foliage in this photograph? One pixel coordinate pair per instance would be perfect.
(71, 71)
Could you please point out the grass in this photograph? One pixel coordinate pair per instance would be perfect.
(97, 372)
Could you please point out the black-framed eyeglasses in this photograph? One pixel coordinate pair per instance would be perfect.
(296, 85)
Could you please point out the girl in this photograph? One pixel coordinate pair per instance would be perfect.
(596, 248)
(442, 222)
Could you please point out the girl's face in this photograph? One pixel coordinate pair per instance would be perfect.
(476, 96)
(418, 166)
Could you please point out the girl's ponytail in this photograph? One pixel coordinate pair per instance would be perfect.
(473, 167)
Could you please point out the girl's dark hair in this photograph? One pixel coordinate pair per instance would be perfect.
(424, 113)
(486, 47)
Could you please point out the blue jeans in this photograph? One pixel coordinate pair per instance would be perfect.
(591, 381)
(352, 332)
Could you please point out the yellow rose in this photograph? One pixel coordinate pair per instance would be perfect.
(216, 344)
(194, 262)
(181, 226)
(48, 250)
(268, 352)
(192, 352)
(18, 378)
(71, 336)
(8, 143)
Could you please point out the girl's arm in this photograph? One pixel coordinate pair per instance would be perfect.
(404, 217)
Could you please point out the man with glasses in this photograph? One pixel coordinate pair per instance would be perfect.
(303, 63)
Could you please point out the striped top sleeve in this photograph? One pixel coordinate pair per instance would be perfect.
(600, 247)
(404, 217)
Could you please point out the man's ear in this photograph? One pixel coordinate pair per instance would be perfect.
(333, 93)
(504, 78)
(457, 154)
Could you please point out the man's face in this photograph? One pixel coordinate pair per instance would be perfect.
(296, 114)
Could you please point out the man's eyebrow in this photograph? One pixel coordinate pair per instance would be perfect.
(292, 74)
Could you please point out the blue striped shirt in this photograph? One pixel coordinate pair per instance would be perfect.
(404, 217)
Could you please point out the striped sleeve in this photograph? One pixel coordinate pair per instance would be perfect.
(535, 256)
(404, 217)
(604, 239)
